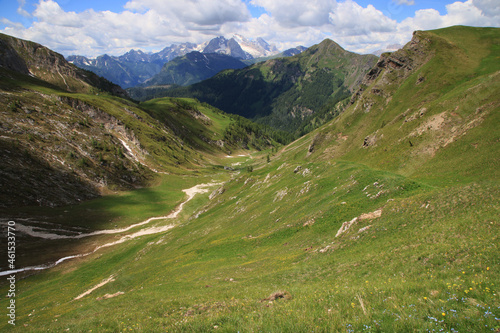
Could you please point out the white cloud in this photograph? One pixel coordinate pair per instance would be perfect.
(274, 32)
(11, 25)
(404, 2)
(350, 19)
(489, 8)
(20, 10)
(50, 12)
(351, 25)
(292, 13)
(92, 33)
(154, 24)
(457, 13)
(199, 12)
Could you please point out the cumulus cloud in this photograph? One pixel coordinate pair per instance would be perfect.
(274, 32)
(154, 24)
(199, 12)
(350, 19)
(292, 13)
(288, 23)
(92, 33)
(479, 13)
(50, 12)
(489, 8)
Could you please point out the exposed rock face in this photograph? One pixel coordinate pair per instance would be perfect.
(396, 67)
(10, 59)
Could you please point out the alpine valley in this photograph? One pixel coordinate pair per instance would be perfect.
(178, 213)
(294, 94)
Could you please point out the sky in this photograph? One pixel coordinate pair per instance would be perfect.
(95, 27)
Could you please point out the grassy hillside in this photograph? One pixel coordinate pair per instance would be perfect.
(434, 104)
(89, 144)
(29, 58)
(384, 220)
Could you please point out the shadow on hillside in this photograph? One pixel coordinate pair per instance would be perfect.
(35, 193)
(27, 180)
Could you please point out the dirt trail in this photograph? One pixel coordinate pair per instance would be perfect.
(110, 279)
(191, 192)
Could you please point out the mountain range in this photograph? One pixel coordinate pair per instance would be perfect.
(136, 67)
(294, 94)
(192, 68)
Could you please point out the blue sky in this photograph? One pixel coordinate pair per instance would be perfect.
(94, 27)
(399, 12)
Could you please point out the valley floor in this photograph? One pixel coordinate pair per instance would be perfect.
(39, 231)
(326, 246)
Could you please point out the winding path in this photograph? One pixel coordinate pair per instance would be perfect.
(191, 192)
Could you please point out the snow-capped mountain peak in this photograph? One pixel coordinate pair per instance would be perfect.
(258, 48)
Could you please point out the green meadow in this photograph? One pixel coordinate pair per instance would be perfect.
(429, 262)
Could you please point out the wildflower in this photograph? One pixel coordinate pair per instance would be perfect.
(444, 314)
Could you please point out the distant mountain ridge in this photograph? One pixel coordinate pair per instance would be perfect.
(194, 67)
(294, 94)
(240, 47)
(133, 67)
(136, 67)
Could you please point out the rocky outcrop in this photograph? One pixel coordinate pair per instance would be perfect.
(61, 150)
(393, 68)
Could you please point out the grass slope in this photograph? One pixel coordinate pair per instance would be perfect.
(33, 59)
(265, 251)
